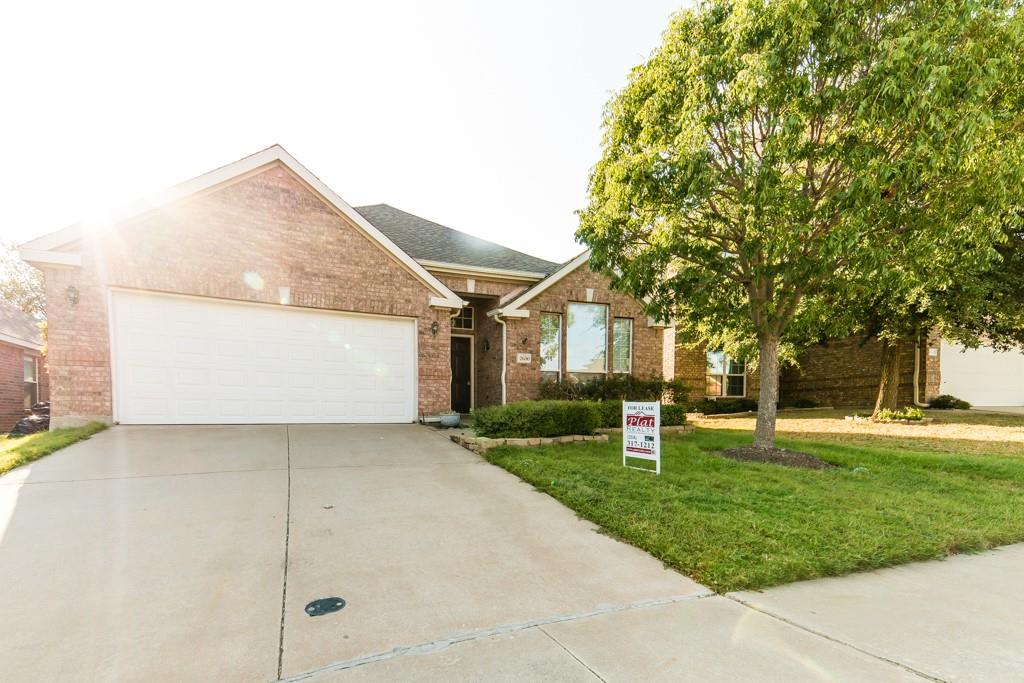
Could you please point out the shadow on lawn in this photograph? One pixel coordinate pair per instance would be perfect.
(925, 444)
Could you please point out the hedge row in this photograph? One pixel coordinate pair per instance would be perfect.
(527, 419)
(721, 406)
(672, 414)
(614, 388)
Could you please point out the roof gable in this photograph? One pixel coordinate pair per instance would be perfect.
(19, 328)
(45, 249)
(513, 309)
(429, 241)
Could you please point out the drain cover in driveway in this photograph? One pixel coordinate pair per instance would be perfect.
(324, 606)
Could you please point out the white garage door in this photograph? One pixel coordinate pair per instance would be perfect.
(982, 376)
(187, 360)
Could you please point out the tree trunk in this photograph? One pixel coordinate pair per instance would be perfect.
(768, 399)
(889, 384)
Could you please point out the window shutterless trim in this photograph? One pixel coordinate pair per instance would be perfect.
(606, 308)
(724, 376)
(558, 341)
(459, 316)
(629, 357)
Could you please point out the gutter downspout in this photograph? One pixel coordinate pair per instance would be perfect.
(504, 353)
(917, 372)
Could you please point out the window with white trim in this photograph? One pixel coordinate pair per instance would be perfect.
(464, 319)
(586, 340)
(551, 346)
(622, 346)
(726, 376)
(30, 371)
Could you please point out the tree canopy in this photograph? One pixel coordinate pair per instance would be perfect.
(21, 285)
(773, 150)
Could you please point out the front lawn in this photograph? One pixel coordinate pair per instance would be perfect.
(733, 525)
(17, 451)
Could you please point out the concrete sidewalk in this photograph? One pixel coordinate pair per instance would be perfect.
(959, 619)
(179, 553)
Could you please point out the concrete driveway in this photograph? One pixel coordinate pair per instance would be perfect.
(173, 553)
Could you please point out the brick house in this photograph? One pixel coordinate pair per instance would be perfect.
(255, 294)
(845, 372)
(23, 376)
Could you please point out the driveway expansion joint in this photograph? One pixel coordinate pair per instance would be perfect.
(573, 655)
(287, 533)
(505, 629)
(795, 624)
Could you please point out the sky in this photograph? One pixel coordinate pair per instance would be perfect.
(483, 116)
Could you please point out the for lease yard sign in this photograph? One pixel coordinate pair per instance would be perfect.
(641, 433)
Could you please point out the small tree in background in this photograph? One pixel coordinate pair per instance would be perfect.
(963, 301)
(21, 285)
(772, 150)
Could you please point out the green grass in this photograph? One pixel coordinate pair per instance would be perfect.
(20, 450)
(733, 525)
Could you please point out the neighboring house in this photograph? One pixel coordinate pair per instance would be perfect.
(255, 294)
(23, 376)
(846, 372)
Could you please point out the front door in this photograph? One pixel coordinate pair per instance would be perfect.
(462, 373)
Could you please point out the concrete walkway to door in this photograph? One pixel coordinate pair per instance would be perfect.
(183, 553)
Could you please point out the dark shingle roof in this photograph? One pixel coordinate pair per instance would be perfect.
(19, 325)
(428, 241)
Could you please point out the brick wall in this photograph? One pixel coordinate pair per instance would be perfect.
(269, 223)
(846, 372)
(12, 389)
(12, 383)
(44, 379)
(480, 286)
(523, 380)
(691, 367)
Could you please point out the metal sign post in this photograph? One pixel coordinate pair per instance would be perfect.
(641, 433)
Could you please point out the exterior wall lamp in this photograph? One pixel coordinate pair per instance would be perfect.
(433, 328)
(71, 294)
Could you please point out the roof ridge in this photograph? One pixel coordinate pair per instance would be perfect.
(456, 230)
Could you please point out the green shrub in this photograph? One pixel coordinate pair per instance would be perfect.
(673, 414)
(800, 403)
(614, 388)
(611, 413)
(526, 419)
(721, 406)
(908, 413)
(947, 402)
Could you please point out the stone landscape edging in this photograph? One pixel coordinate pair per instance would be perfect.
(481, 444)
(857, 419)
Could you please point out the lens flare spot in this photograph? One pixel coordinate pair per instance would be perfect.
(252, 280)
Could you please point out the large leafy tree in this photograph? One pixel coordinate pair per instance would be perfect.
(771, 150)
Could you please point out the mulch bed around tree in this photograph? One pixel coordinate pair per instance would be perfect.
(776, 456)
